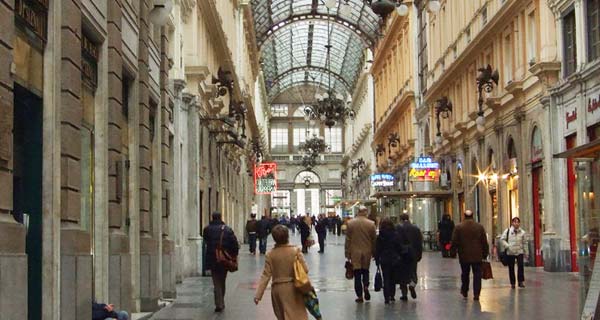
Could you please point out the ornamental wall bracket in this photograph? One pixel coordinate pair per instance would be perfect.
(547, 72)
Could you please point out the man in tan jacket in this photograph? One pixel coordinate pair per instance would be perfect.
(359, 248)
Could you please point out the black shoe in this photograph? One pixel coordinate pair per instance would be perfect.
(387, 301)
(404, 298)
(367, 295)
(392, 299)
(464, 293)
(359, 300)
(476, 298)
(521, 285)
(219, 309)
(512, 286)
(413, 293)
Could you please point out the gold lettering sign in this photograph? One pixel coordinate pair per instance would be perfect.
(89, 61)
(34, 14)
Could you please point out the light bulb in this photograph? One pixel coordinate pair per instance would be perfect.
(306, 117)
(330, 3)
(323, 117)
(434, 6)
(480, 121)
(325, 95)
(339, 96)
(438, 140)
(311, 122)
(402, 10)
(318, 96)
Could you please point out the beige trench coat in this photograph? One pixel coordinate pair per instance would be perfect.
(279, 265)
(360, 242)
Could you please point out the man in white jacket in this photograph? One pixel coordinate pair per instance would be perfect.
(514, 240)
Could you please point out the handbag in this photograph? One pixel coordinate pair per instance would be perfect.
(227, 261)
(301, 281)
(378, 280)
(486, 270)
(311, 303)
(349, 270)
(310, 241)
(503, 255)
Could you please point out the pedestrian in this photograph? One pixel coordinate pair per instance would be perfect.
(411, 250)
(293, 223)
(103, 311)
(218, 234)
(263, 228)
(387, 256)
(445, 229)
(287, 301)
(321, 229)
(514, 240)
(338, 223)
(359, 248)
(304, 226)
(470, 240)
(251, 227)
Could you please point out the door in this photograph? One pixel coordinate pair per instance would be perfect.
(572, 191)
(536, 176)
(27, 182)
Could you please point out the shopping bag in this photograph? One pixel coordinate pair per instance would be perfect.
(311, 303)
(378, 280)
(349, 270)
(301, 281)
(486, 271)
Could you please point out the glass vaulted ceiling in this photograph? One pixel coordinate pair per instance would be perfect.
(292, 35)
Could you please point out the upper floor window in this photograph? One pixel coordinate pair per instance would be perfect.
(531, 38)
(301, 134)
(333, 138)
(279, 138)
(569, 45)
(279, 110)
(593, 26)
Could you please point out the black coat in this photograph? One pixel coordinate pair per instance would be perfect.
(321, 227)
(446, 227)
(212, 237)
(387, 247)
(100, 313)
(263, 227)
(304, 229)
(411, 234)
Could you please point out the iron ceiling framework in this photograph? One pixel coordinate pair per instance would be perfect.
(292, 35)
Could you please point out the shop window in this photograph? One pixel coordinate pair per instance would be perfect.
(569, 44)
(279, 138)
(531, 38)
(593, 29)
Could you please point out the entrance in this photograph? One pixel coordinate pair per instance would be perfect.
(538, 211)
(27, 192)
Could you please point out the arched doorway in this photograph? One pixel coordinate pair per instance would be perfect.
(307, 190)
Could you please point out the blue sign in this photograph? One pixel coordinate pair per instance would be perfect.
(425, 163)
(382, 180)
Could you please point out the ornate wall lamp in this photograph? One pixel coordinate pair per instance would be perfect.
(485, 82)
(257, 151)
(393, 140)
(358, 166)
(379, 150)
(443, 108)
(224, 82)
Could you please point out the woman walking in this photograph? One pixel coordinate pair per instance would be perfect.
(514, 240)
(387, 257)
(288, 303)
(445, 228)
(305, 229)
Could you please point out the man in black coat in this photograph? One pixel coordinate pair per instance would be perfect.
(251, 226)
(445, 229)
(411, 251)
(218, 234)
(321, 229)
(263, 227)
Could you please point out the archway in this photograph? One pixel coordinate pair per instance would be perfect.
(307, 187)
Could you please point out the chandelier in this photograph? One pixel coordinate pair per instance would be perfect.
(330, 107)
(311, 149)
(382, 7)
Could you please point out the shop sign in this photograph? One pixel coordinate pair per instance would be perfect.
(537, 152)
(382, 180)
(593, 106)
(34, 15)
(265, 178)
(570, 117)
(89, 61)
(424, 169)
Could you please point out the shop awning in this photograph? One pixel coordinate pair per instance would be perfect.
(413, 194)
(588, 150)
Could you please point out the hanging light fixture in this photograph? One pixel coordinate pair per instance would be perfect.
(486, 79)
(330, 4)
(330, 107)
(434, 6)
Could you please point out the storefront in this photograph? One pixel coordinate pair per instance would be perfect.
(537, 194)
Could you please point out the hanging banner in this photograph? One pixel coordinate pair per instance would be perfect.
(265, 178)
(382, 180)
(424, 169)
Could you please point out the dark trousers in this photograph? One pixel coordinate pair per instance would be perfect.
(466, 268)
(412, 278)
(511, 269)
(303, 240)
(262, 245)
(218, 277)
(321, 242)
(361, 281)
(389, 282)
(252, 242)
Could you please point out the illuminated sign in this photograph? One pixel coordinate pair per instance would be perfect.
(425, 169)
(265, 178)
(382, 180)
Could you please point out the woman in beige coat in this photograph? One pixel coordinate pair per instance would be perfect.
(288, 303)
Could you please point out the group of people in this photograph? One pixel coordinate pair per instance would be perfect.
(396, 249)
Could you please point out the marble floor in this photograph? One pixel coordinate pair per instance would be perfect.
(546, 296)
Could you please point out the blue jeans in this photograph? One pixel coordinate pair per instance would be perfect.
(121, 315)
(252, 242)
(262, 245)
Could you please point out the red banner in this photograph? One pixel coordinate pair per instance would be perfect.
(265, 178)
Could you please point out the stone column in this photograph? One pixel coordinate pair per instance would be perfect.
(13, 296)
(76, 261)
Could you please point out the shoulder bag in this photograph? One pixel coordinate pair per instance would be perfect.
(503, 255)
(227, 261)
(301, 281)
